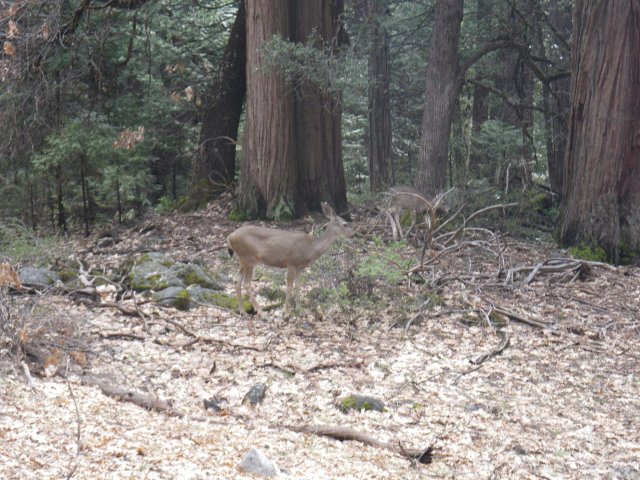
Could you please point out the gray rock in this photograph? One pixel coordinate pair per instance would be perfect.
(154, 271)
(151, 272)
(192, 274)
(177, 297)
(256, 394)
(105, 242)
(257, 463)
(38, 277)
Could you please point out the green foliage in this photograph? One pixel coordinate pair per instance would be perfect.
(497, 142)
(115, 77)
(20, 245)
(322, 66)
(166, 204)
(337, 294)
(388, 265)
(585, 252)
(628, 256)
(238, 216)
(110, 173)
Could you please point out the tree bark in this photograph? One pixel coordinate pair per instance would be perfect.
(479, 110)
(601, 194)
(556, 108)
(440, 93)
(267, 182)
(216, 160)
(293, 144)
(318, 116)
(379, 111)
(557, 100)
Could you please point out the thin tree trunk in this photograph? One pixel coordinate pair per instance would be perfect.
(85, 205)
(440, 93)
(216, 160)
(601, 195)
(479, 111)
(62, 219)
(119, 200)
(556, 101)
(379, 138)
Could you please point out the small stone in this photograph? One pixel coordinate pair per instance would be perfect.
(255, 395)
(257, 463)
(214, 404)
(105, 242)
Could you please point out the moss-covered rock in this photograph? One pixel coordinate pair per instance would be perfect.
(177, 297)
(205, 296)
(361, 402)
(193, 274)
(67, 275)
(151, 271)
(176, 283)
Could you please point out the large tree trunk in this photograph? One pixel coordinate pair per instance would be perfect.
(318, 116)
(440, 93)
(268, 174)
(601, 195)
(292, 145)
(216, 160)
(379, 138)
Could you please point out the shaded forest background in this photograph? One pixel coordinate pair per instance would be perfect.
(109, 108)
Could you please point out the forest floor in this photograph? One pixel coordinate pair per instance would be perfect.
(561, 400)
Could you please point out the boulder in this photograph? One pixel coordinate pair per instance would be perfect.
(38, 278)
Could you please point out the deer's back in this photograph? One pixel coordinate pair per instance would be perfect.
(270, 246)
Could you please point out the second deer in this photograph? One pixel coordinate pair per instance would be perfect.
(295, 251)
(402, 198)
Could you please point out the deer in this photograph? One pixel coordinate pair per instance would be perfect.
(402, 197)
(293, 250)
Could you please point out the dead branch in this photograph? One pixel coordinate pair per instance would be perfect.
(521, 319)
(78, 433)
(27, 374)
(212, 340)
(462, 227)
(121, 335)
(504, 343)
(553, 265)
(137, 398)
(345, 433)
(448, 246)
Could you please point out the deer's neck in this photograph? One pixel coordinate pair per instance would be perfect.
(324, 241)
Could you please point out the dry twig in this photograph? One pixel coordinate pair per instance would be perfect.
(344, 433)
(137, 398)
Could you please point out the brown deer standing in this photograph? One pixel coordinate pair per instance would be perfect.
(295, 251)
(402, 197)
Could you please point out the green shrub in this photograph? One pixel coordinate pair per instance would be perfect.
(593, 254)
